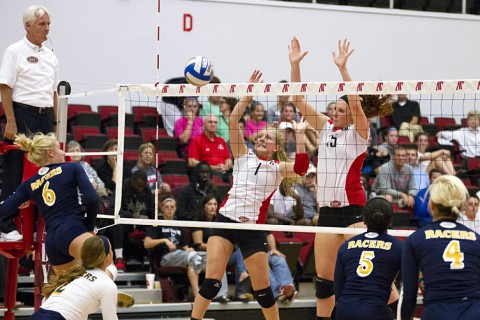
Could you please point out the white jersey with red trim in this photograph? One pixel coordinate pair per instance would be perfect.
(341, 153)
(254, 183)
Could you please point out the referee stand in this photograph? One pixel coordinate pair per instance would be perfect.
(16, 250)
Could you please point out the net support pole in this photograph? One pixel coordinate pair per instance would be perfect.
(62, 117)
(120, 150)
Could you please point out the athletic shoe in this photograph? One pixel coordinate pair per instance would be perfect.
(245, 298)
(120, 264)
(221, 299)
(11, 236)
(124, 300)
(287, 294)
(246, 285)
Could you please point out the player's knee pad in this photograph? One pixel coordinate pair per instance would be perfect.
(323, 288)
(210, 288)
(265, 297)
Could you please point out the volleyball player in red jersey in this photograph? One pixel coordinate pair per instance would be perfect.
(256, 176)
(341, 151)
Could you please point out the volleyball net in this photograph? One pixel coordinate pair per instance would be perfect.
(151, 112)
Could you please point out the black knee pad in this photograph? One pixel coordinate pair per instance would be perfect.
(265, 297)
(210, 288)
(323, 288)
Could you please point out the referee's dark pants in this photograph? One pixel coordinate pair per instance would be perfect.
(30, 120)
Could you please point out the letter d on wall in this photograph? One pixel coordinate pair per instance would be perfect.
(187, 22)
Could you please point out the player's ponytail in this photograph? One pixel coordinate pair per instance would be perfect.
(377, 214)
(37, 146)
(447, 194)
(376, 105)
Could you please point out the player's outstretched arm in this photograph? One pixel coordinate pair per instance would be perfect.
(359, 118)
(316, 119)
(237, 144)
(300, 166)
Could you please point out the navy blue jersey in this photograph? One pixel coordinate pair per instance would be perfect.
(54, 189)
(448, 255)
(367, 265)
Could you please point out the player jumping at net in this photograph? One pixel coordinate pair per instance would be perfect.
(448, 255)
(81, 290)
(256, 176)
(366, 267)
(54, 189)
(342, 148)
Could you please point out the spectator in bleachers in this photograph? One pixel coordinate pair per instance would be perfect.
(170, 108)
(210, 148)
(171, 245)
(107, 169)
(226, 106)
(288, 112)
(373, 158)
(439, 159)
(306, 205)
(212, 105)
(146, 156)
(256, 122)
(395, 181)
(289, 143)
(468, 138)
(137, 202)
(470, 217)
(274, 111)
(189, 126)
(207, 212)
(421, 211)
(280, 276)
(390, 138)
(367, 187)
(97, 183)
(311, 141)
(281, 205)
(406, 116)
(200, 185)
(421, 178)
(331, 109)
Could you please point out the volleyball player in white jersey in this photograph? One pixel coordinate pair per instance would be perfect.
(83, 289)
(342, 147)
(256, 176)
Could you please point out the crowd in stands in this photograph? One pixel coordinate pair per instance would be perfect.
(398, 168)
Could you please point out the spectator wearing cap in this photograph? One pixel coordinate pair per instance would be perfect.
(189, 126)
(306, 205)
(390, 141)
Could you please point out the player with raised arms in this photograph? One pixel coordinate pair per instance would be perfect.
(256, 176)
(367, 265)
(448, 255)
(84, 288)
(342, 147)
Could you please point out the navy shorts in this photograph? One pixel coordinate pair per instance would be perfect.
(340, 217)
(59, 239)
(43, 314)
(468, 310)
(249, 241)
(362, 309)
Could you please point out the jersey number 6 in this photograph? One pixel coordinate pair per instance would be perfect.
(48, 195)
(365, 265)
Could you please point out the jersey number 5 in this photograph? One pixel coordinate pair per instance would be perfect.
(453, 255)
(48, 195)
(365, 265)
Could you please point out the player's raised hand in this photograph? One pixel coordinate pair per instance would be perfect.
(295, 53)
(343, 53)
(256, 77)
(300, 126)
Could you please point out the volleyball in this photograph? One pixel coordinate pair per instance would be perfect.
(198, 71)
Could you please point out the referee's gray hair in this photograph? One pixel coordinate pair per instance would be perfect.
(33, 12)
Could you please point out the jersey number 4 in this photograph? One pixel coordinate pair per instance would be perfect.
(453, 255)
(365, 265)
(48, 195)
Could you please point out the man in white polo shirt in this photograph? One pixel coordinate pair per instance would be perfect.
(28, 82)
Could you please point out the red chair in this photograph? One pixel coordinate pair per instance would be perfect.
(424, 120)
(74, 109)
(141, 111)
(443, 122)
(149, 134)
(106, 112)
(176, 180)
(112, 132)
(89, 137)
(386, 122)
(403, 140)
(464, 122)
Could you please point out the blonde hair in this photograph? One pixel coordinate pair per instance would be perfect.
(448, 194)
(37, 146)
(93, 256)
(281, 155)
(146, 146)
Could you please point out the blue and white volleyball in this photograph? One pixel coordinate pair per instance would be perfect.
(198, 71)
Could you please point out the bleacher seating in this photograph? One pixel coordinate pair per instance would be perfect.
(444, 122)
(89, 137)
(74, 109)
(139, 112)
